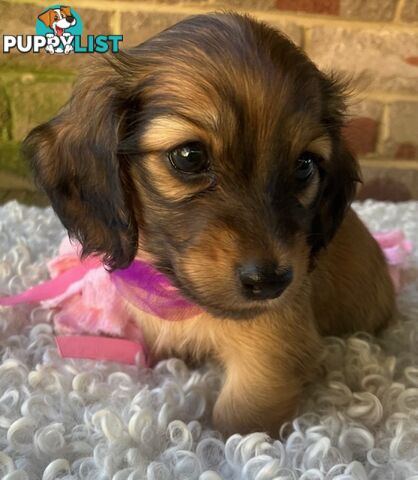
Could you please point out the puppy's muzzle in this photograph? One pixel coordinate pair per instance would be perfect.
(263, 281)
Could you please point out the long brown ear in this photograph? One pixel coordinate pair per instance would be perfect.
(46, 17)
(337, 192)
(339, 175)
(75, 160)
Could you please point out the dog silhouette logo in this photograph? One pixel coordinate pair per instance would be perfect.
(61, 22)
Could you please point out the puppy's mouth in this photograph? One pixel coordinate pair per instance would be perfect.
(239, 311)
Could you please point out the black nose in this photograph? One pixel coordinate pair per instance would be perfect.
(263, 281)
(70, 19)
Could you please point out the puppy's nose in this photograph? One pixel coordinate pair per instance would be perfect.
(70, 19)
(263, 281)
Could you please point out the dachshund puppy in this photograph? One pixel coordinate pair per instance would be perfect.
(215, 151)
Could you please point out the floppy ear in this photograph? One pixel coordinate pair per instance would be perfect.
(66, 10)
(45, 17)
(339, 175)
(75, 160)
(337, 192)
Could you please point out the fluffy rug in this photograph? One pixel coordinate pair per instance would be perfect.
(71, 419)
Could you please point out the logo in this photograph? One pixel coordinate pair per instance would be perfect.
(58, 31)
(62, 23)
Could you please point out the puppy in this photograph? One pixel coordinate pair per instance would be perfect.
(58, 19)
(214, 150)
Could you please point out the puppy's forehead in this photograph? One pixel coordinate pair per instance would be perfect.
(229, 76)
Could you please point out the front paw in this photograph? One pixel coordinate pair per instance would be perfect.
(224, 422)
(252, 417)
(68, 49)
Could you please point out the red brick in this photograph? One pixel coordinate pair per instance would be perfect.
(410, 11)
(361, 135)
(401, 140)
(139, 26)
(376, 56)
(406, 151)
(388, 184)
(95, 22)
(327, 7)
(368, 10)
(412, 61)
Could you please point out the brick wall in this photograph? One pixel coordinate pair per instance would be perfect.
(374, 41)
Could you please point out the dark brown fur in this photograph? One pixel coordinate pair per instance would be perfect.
(257, 102)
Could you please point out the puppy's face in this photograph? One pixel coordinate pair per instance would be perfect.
(58, 19)
(215, 149)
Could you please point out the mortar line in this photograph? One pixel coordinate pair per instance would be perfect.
(389, 163)
(384, 129)
(398, 10)
(116, 22)
(306, 38)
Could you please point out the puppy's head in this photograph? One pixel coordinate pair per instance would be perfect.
(215, 149)
(60, 17)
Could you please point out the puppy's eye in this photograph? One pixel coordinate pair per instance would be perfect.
(306, 166)
(189, 158)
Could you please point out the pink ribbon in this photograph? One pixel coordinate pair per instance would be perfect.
(100, 348)
(396, 249)
(52, 288)
(80, 346)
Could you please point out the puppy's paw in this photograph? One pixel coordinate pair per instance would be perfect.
(264, 409)
(244, 422)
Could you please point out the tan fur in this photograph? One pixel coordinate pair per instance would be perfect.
(351, 283)
(164, 133)
(168, 186)
(257, 105)
(264, 360)
(269, 360)
(322, 146)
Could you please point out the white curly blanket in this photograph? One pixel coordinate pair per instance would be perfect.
(71, 419)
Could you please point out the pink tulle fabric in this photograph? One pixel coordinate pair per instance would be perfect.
(396, 250)
(98, 303)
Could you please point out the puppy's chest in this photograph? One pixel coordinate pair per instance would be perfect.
(195, 338)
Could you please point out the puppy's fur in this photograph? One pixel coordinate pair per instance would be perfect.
(256, 102)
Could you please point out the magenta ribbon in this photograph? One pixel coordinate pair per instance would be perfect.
(152, 292)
